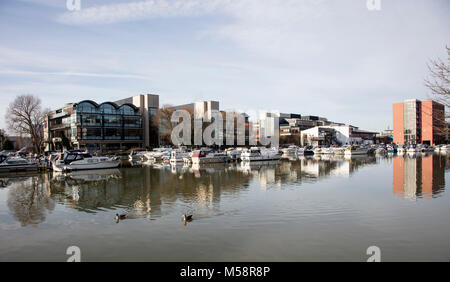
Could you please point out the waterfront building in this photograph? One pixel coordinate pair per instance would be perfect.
(201, 109)
(18, 142)
(336, 134)
(419, 122)
(293, 124)
(107, 126)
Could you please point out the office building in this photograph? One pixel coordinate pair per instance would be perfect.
(103, 127)
(419, 122)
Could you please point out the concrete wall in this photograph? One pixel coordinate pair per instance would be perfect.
(398, 119)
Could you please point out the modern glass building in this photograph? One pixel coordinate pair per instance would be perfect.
(101, 127)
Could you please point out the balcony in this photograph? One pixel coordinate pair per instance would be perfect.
(59, 115)
(60, 126)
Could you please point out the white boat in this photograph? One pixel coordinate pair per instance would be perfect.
(16, 164)
(338, 150)
(421, 148)
(291, 150)
(136, 155)
(156, 154)
(234, 154)
(178, 156)
(401, 150)
(391, 149)
(412, 149)
(327, 151)
(380, 151)
(201, 157)
(317, 151)
(84, 161)
(306, 151)
(260, 154)
(445, 148)
(355, 150)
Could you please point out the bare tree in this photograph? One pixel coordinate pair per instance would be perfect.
(25, 116)
(439, 80)
(439, 85)
(162, 120)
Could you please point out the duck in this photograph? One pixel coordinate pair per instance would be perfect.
(120, 216)
(187, 217)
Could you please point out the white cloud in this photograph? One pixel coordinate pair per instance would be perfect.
(68, 73)
(139, 10)
(329, 58)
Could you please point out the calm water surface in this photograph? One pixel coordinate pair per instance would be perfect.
(315, 209)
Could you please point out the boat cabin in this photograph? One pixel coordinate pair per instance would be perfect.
(75, 156)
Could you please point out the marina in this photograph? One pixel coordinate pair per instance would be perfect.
(238, 209)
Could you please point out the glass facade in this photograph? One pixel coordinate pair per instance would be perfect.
(112, 120)
(91, 120)
(108, 121)
(412, 124)
(112, 134)
(92, 133)
(103, 126)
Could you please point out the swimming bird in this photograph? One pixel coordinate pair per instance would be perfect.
(187, 217)
(120, 216)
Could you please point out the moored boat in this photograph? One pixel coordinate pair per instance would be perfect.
(317, 151)
(136, 155)
(260, 154)
(353, 150)
(339, 150)
(16, 164)
(178, 156)
(306, 151)
(412, 149)
(202, 157)
(156, 154)
(84, 161)
(380, 151)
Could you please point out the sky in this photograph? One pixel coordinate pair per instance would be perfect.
(335, 59)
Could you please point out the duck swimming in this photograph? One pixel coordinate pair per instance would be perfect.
(187, 217)
(120, 216)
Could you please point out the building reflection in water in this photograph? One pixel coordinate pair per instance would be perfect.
(29, 199)
(416, 176)
(152, 191)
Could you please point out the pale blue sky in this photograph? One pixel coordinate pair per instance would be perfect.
(329, 58)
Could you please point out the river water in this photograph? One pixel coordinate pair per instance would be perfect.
(309, 209)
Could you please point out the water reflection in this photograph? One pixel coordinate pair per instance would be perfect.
(416, 176)
(150, 191)
(29, 200)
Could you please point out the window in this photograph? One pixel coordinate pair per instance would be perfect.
(91, 120)
(112, 134)
(108, 109)
(133, 134)
(132, 121)
(86, 107)
(112, 120)
(128, 110)
(92, 133)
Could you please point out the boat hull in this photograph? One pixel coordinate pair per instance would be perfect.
(87, 166)
(209, 160)
(19, 168)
